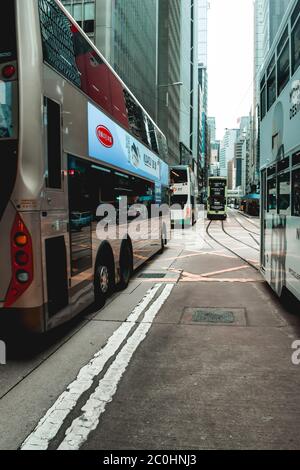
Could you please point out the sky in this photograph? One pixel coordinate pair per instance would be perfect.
(230, 61)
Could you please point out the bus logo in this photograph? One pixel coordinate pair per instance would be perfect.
(105, 136)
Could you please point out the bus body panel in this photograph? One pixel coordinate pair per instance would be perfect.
(6, 224)
(29, 183)
(45, 208)
(183, 194)
(280, 162)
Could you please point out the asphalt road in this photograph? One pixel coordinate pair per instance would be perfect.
(195, 354)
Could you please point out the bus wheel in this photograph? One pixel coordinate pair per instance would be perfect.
(102, 282)
(126, 265)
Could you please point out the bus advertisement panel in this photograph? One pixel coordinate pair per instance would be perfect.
(111, 144)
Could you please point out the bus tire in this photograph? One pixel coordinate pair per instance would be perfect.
(126, 265)
(103, 279)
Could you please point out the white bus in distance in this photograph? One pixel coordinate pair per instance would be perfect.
(182, 186)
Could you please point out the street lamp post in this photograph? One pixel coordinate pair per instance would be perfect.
(167, 93)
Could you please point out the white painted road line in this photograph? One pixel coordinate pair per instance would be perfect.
(78, 432)
(51, 423)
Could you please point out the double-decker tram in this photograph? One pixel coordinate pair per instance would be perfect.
(280, 158)
(217, 198)
(183, 199)
(72, 138)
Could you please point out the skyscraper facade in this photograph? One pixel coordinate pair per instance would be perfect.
(211, 122)
(227, 150)
(203, 6)
(204, 150)
(189, 91)
(169, 102)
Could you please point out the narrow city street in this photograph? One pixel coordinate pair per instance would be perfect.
(195, 354)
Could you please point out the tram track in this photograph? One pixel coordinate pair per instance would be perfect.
(236, 239)
(229, 249)
(244, 227)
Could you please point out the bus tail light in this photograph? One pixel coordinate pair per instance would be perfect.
(21, 262)
(8, 71)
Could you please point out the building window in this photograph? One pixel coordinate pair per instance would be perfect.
(83, 11)
(77, 13)
(89, 17)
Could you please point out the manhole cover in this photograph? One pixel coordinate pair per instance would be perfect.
(152, 275)
(214, 316)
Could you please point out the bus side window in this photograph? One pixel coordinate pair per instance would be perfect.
(272, 195)
(53, 136)
(296, 193)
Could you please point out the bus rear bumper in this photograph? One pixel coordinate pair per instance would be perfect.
(217, 216)
(26, 319)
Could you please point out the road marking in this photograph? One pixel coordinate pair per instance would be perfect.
(214, 253)
(229, 270)
(82, 426)
(50, 424)
(163, 280)
(215, 279)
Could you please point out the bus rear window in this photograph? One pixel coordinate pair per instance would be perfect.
(8, 119)
(178, 176)
(7, 31)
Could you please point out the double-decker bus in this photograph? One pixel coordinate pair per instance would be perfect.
(72, 138)
(217, 198)
(183, 200)
(280, 157)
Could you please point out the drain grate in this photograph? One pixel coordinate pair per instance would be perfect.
(213, 316)
(152, 275)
